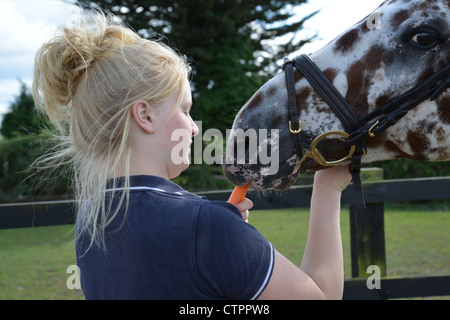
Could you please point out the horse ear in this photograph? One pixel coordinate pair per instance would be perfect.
(142, 115)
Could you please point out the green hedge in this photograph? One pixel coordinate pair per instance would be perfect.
(19, 180)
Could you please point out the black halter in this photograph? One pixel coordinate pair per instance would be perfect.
(358, 129)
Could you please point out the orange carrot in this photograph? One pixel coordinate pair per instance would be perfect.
(238, 194)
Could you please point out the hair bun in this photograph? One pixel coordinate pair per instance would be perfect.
(62, 62)
(79, 54)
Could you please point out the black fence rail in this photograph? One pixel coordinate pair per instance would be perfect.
(367, 229)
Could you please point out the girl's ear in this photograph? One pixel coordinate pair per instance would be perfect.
(142, 115)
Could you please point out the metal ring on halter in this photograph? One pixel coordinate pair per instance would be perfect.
(320, 159)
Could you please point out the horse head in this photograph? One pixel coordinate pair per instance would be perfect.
(369, 67)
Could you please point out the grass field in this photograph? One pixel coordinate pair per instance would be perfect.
(416, 241)
(34, 261)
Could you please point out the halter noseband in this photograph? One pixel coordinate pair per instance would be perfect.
(357, 130)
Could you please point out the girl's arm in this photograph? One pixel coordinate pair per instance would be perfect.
(321, 273)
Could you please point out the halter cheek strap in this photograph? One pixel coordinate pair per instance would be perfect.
(295, 125)
(328, 92)
(342, 109)
(338, 104)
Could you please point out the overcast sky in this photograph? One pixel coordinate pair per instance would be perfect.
(26, 24)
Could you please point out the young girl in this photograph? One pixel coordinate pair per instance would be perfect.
(116, 99)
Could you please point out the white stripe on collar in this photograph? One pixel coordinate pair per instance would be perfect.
(143, 188)
(268, 275)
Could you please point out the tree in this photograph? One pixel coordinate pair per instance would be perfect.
(22, 117)
(229, 42)
(24, 142)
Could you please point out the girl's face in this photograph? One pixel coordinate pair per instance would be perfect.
(177, 133)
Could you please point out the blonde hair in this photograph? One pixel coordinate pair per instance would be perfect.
(86, 79)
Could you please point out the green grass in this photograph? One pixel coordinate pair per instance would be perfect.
(33, 261)
(416, 241)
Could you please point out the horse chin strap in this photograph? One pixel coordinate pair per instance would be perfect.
(358, 129)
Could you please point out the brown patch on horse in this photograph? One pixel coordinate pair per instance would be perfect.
(278, 121)
(419, 144)
(360, 78)
(426, 126)
(382, 100)
(358, 83)
(441, 136)
(297, 75)
(374, 56)
(444, 110)
(302, 96)
(356, 88)
(254, 101)
(399, 153)
(425, 7)
(347, 41)
(330, 73)
(399, 18)
(377, 141)
(272, 90)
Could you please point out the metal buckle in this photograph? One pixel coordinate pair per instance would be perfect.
(370, 132)
(295, 131)
(320, 159)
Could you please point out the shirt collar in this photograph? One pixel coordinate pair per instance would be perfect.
(146, 182)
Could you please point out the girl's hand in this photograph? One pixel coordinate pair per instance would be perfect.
(244, 206)
(335, 178)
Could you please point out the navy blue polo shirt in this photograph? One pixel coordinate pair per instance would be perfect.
(173, 244)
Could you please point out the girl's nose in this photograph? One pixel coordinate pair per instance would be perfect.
(195, 129)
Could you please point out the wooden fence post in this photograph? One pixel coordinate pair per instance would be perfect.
(367, 232)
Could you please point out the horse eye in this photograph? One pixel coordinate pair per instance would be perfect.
(424, 40)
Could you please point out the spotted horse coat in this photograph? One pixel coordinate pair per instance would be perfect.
(369, 67)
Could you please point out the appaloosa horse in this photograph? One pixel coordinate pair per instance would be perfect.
(372, 93)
